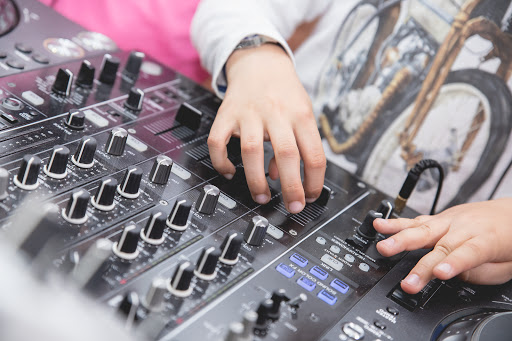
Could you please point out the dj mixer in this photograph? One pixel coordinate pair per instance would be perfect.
(105, 171)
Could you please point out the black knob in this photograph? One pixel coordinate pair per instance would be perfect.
(85, 78)
(103, 200)
(154, 300)
(366, 229)
(277, 297)
(128, 309)
(180, 283)
(135, 100)
(206, 267)
(116, 141)
(153, 232)
(75, 119)
(189, 116)
(28, 173)
(109, 69)
(126, 246)
(76, 209)
(178, 218)
(255, 233)
(324, 197)
(133, 64)
(263, 318)
(161, 170)
(36, 228)
(230, 248)
(63, 82)
(84, 155)
(57, 164)
(208, 199)
(130, 186)
(4, 183)
(386, 208)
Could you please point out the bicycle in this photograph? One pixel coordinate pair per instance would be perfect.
(395, 58)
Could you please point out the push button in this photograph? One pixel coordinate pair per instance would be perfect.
(327, 297)
(9, 118)
(306, 283)
(299, 260)
(319, 272)
(285, 270)
(340, 286)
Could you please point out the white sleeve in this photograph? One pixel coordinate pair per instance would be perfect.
(219, 25)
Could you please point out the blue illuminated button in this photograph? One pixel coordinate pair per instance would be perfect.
(327, 297)
(340, 286)
(319, 272)
(285, 270)
(306, 283)
(299, 260)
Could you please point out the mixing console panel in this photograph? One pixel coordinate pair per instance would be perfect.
(105, 160)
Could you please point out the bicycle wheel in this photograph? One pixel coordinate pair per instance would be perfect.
(455, 115)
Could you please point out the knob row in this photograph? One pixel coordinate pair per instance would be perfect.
(108, 73)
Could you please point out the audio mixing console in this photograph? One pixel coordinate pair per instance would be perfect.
(103, 156)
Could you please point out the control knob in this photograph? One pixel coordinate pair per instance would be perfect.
(116, 141)
(135, 100)
(154, 299)
(366, 229)
(153, 232)
(130, 185)
(263, 318)
(85, 78)
(76, 209)
(180, 283)
(28, 173)
(386, 208)
(57, 164)
(277, 297)
(75, 119)
(109, 69)
(128, 308)
(161, 170)
(103, 200)
(133, 64)
(208, 199)
(63, 82)
(256, 230)
(230, 248)
(126, 246)
(84, 155)
(206, 267)
(178, 218)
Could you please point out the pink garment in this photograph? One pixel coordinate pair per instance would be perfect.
(159, 28)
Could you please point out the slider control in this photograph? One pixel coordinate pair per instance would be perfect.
(178, 218)
(189, 116)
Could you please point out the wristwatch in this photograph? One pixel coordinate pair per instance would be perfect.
(255, 40)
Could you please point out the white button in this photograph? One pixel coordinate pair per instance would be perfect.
(332, 262)
(275, 232)
(95, 118)
(349, 258)
(335, 249)
(321, 240)
(33, 98)
(136, 144)
(364, 267)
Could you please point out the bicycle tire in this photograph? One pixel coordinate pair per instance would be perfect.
(499, 99)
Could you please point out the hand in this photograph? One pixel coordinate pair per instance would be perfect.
(266, 101)
(470, 240)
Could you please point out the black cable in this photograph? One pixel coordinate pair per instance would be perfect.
(498, 184)
(412, 178)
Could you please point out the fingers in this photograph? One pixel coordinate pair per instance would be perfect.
(471, 254)
(413, 235)
(489, 274)
(288, 164)
(273, 172)
(218, 139)
(251, 139)
(390, 226)
(312, 152)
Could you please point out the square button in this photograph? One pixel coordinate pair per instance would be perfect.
(327, 297)
(306, 283)
(319, 272)
(340, 286)
(285, 270)
(299, 260)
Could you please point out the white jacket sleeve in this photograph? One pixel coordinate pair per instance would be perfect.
(219, 25)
